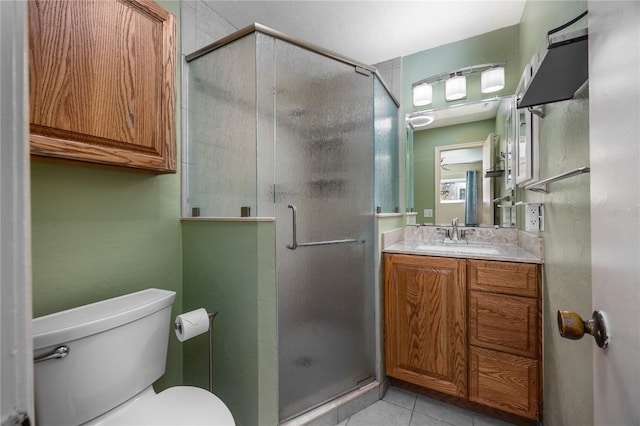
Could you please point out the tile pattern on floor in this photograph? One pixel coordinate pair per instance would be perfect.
(403, 408)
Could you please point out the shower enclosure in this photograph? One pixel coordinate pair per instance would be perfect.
(278, 128)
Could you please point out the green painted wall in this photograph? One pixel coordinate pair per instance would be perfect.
(424, 144)
(98, 234)
(564, 145)
(229, 267)
(383, 224)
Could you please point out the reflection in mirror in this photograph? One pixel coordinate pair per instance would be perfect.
(509, 145)
(443, 155)
(460, 187)
(526, 166)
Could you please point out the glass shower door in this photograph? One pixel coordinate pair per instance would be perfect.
(323, 174)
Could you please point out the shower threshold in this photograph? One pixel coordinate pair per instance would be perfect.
(340, 408)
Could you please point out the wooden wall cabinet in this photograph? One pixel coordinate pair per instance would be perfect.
(425, 317)
(102, 83)
(467, 328)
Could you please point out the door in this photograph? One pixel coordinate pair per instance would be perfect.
(16, 391)
(614, 108)
(324, 171)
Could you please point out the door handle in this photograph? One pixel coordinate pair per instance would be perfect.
(572, 326)
(294, 243)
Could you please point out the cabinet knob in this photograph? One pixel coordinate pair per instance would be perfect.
(572, 326)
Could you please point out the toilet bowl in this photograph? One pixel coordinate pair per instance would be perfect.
(95, 364)
(179, 405)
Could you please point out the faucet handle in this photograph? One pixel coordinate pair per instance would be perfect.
(446, 232)
(464, 232)
(454, 222)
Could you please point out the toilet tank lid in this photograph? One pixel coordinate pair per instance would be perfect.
(76, 323)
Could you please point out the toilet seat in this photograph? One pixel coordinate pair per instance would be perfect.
(179, 405)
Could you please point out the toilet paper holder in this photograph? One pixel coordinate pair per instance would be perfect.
(178, 327)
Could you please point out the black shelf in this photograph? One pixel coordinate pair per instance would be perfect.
(563, 69)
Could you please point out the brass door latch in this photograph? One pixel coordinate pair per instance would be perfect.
(573, 327)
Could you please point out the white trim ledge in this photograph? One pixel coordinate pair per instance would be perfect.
(389, 214)
(227, 219)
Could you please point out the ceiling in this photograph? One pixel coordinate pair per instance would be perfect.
(374, 31)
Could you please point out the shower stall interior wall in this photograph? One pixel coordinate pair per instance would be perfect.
(308, 138)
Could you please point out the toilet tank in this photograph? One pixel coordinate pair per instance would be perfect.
(117, 348)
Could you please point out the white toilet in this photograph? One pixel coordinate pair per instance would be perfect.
(94, 365)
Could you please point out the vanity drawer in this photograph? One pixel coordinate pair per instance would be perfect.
(505, 323)
(503, 381)
(520, 279)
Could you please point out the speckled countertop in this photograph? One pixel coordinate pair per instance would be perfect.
(500, 244)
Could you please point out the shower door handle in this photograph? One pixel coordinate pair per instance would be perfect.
(294, 244)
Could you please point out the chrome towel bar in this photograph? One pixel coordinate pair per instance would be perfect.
(324, 243)
(543, 185)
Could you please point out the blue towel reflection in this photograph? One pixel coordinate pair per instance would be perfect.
(471, 199)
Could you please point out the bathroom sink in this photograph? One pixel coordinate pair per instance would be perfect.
(458, 248)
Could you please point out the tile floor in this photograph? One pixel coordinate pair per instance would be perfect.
(403, 408)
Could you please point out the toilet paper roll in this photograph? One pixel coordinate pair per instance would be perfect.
(191, 324)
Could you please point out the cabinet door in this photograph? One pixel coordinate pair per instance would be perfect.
(102, 82)
(503, 381)
(425, 322)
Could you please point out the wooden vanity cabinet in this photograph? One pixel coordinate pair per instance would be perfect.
(102, 83)
(468, 328)
(425, 322)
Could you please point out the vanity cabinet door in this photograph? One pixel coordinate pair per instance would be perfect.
(425, 322)
(102, 83)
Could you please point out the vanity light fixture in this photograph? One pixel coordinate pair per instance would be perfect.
(455, 88)
(492, 80)
(422, 94)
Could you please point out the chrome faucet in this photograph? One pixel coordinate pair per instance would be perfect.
(454, 229)
(454, 235)
(451, 235)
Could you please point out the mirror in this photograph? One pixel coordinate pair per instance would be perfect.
(526, 166)
(456, 160)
